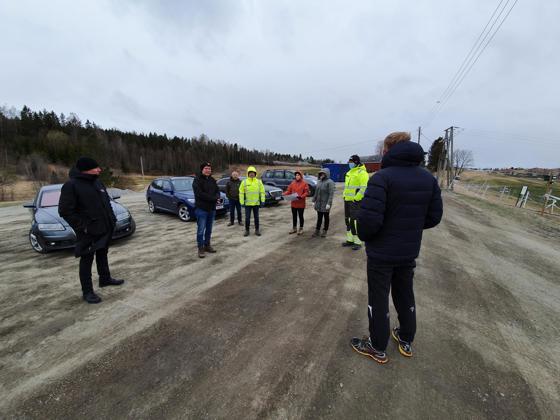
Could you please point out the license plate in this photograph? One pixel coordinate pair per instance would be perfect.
(219, 206)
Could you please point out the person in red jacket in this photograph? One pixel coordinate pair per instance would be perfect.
(301, 189)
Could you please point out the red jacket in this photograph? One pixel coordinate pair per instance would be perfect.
(300, 188)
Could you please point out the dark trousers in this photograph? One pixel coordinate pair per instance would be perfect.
(102, 262)
(320, 216)
(295, 214)
(351, 209)
(233, 206)
(398, 280)
(248, 210)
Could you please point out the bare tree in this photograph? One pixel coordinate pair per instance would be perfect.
(462, 159)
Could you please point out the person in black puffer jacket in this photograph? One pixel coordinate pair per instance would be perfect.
(86, 206)
(401, 200)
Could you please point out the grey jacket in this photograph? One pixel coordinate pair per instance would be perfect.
(324, 192)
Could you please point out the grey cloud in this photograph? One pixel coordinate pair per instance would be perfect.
(290, 75)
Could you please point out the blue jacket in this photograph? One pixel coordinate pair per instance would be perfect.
(401, 200)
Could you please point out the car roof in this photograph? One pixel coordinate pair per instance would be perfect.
(52, 187)
(171, 178)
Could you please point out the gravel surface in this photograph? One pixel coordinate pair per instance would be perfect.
(262, 328)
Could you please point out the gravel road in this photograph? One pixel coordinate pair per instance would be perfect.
(262, 328)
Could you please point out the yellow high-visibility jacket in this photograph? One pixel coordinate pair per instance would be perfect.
(355, 183)
(251, 190)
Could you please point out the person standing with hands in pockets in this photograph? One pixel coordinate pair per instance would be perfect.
(301, 189)
(322, 199)
(206, 194)
(232, 193)
(252, 197)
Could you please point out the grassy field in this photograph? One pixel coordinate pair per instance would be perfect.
(536, 186)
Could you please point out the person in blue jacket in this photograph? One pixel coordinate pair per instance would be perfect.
(401, 200)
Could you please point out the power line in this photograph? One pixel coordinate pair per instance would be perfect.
(480, 53)
(467, 57)
(472, 57)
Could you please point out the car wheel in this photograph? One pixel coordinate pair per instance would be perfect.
(184, 214)
(37, 243)
(152, 207)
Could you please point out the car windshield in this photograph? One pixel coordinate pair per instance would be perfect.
(49, 198)
(182, 184)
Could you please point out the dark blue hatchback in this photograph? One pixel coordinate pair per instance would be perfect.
(175, 195)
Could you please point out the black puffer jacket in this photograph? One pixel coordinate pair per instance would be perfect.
(85, 204)
(206, 192)
(401, 200)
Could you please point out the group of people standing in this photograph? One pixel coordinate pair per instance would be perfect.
(249, 193)
(389, 211)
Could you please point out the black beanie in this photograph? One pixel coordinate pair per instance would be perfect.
(355, 159)
(203, 165)
(86, 163)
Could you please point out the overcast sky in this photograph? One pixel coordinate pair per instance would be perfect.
(327, 78)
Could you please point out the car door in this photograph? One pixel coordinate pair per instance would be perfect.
(169, 200)
(155, 192)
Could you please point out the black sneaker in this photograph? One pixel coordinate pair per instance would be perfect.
(356, 247)
(91, 297)
(110, 282)
(364, 347)
(258, 232)
(346, 243)
(405, 348)
(240, 223)
(230, 224)
(246, 233)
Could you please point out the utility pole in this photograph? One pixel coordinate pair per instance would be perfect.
(451, 159)
(419, 134)
(442, 160)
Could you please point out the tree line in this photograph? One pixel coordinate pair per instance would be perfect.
(29, 138)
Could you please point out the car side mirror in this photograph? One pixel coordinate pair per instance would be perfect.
(29, 205)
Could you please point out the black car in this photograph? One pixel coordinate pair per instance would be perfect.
(273, 195)
(175, 195)
(281, 178)
(49, 231)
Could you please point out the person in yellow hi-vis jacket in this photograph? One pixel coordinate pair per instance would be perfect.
(355, 184)
(252, 197)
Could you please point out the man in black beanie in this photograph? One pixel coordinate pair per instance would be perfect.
(86, 206)
(206, 195)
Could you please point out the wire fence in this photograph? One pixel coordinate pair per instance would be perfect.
(514, 196)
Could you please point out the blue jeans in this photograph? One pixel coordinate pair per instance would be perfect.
(204, 222)
(233, 206)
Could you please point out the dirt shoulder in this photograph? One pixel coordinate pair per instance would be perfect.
(262, 328)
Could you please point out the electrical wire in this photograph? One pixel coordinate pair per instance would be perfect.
(471, 58)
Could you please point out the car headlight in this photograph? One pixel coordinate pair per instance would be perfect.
(50, 226)
(123, 216)
(190, 200)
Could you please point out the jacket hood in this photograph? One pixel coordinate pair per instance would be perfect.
(326, 171)
(76, 174)
(406, 153)
(251, 169)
